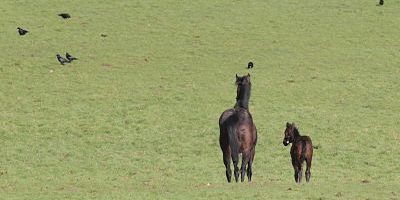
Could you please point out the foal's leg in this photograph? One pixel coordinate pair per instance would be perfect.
(227, 163)
(296, 170)
(245, 161)
(250, 166)
(300, 171)
(296, 174)
(308, 170)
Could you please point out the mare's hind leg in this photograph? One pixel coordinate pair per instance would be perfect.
(235, 160)
(227, 163)
(308, 169)
(245, 160)
(250, 166)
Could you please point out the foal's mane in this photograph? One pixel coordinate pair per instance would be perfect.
(296, 132)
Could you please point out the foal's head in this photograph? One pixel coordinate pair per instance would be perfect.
(243, 90)
(290, 133)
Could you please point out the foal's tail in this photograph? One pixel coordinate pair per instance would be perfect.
(233, 141)
(303, 150)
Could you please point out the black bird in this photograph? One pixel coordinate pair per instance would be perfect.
(250, 65)
(22, 31)
(70, 57)
(61, 59)
(64, 15)
(381, 2)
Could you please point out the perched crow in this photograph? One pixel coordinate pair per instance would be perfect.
(64, 15)
(70, 57)
(61, 59)
(250, 65)
(22, 31)
(381, 2)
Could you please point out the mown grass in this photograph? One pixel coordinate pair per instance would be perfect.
(136, 116)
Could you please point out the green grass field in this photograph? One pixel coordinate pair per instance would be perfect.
(137, 116)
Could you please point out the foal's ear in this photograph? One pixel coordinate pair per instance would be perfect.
(287, 124)
(248, 74)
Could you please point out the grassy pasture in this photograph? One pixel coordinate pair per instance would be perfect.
(137, 116)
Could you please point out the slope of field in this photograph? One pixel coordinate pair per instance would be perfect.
(136, 117)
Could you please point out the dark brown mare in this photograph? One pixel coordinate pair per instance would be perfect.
(238, 134)
(302, 150)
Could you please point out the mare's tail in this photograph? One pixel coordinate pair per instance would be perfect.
(233, 142)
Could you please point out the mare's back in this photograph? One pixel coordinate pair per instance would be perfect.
(236, 115)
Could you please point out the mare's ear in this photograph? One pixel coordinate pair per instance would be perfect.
(287, 124)
(237, 77)
(248, 74)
